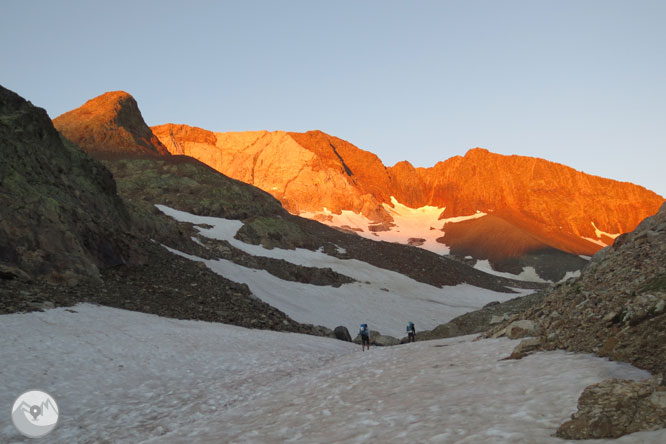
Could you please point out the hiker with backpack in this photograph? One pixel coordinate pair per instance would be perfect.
(411, 332)
(365, 336)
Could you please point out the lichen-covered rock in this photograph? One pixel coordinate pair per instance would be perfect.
(614, 408)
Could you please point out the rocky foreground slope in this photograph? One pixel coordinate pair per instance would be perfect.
(617, 308)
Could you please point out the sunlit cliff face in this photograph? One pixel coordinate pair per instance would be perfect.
(326, 178)
(110, 124)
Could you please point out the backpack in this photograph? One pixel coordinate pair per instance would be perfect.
(410, 327)
(364, 329)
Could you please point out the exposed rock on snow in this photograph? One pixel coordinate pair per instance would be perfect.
(342, 333)
(613, 408)
(481, 320)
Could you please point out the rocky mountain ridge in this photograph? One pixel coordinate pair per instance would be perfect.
(535, 209)
(518, 213)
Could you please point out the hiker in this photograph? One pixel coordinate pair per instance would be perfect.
(411, 332)
(365, 336)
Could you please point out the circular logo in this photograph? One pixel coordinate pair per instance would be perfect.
(35, 414)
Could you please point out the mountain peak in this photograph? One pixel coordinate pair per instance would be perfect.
(477, 152)
(110, 124)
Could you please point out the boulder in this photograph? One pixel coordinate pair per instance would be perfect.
(378, 339)
(342, 333)
(383, 340)
(616, 407)
(526, 347)
(520, 329)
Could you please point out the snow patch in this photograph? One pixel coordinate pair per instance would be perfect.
(595, 241)
(384, 299)
(570, 274)
(528, 274)
(599, 233)
(408, 223)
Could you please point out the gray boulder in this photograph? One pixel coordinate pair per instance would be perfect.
(342, 333)
(378, 339)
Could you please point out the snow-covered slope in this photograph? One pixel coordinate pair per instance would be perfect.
(123, 376)
(128, 377)
(384, 299)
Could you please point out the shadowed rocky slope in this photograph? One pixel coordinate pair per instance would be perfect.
(60, 216)
(66, 236)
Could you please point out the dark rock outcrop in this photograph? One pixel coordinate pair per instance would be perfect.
(60, 217)
(342, 333)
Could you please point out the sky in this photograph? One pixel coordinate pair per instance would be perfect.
(576, 82)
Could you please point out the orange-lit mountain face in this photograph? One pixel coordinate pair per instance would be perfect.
(310, 171)
(110, 124)
(514, 212)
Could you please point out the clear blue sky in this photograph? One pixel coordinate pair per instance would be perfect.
(578, 82)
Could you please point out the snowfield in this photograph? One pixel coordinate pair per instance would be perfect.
(408, 223)
(127, 377)
(383, 299)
